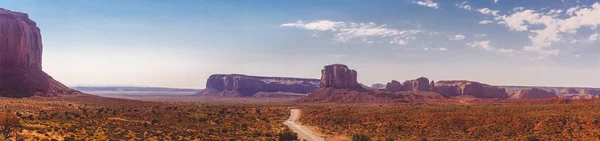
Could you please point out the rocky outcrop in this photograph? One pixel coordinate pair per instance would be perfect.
(394, 86)
(21, 72)
(469, 88)
(237, 85)
(378, 86)
(337, 86)
(339, 76)
(419, 84)
(533, 93)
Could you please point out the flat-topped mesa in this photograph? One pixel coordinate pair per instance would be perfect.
(454, 88)
(238, 85)
(533, 93)
(339, 76)
(21, 72)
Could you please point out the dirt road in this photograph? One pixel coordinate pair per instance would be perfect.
(302, 131)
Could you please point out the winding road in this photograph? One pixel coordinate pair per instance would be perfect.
(302, 131)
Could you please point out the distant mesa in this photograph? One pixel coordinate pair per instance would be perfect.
(562, 92)
(21, 72)
(533, 93)
(454, 88)
(238, 85)
(378, 86)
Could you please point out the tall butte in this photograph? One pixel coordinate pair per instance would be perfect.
(21, 72)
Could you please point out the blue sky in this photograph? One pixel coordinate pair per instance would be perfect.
(180, 43)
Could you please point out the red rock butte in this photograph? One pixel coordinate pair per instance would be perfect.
(21, 72)
(339, 76)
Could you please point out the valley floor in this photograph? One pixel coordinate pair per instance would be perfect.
(92, 117)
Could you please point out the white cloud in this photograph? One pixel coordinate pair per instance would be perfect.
(346, 31)
(495, 1)
(488, 11)
(457, 37)
(481, 44)
(576, 55)
(443, 49)
(425, 48)
(485, 45)
(572, 10)
(593, 37)
(486, 22)
(464, 5)
(543, 38)
(322, 25)
(428, 3)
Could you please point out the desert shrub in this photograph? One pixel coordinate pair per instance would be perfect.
(9, 123)
(361, 137)
(287, 135)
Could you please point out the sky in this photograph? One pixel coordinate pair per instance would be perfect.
(181, 43)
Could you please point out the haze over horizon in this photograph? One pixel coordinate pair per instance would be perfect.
(180, 44)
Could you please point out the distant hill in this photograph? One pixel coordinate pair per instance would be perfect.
(131, 90)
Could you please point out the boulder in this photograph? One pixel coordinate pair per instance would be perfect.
(238, 85)
(21, 72)
(339, 76)
(533, 93)
(455, 88)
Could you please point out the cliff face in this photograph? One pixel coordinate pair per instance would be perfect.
(236, 85)
(469, 88)
(21, 72)
(533, 93)
(339, 76)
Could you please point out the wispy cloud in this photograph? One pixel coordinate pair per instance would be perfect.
(346, 31)
(593, 37)
(485, 45)
(457, 37)
(486, 22)
(428, 3)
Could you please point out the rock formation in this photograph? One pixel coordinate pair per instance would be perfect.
(419, 84)
(21, 72)
(237, 85)
(339, 76)
(455, 88)
(562, 92)
(533, 93)
(338, 85)
(394, 86)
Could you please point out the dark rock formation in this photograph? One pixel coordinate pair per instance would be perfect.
(236, 85)
(394, 86)
(533, 93)
(339, 76)
(469, 88)
(378, 86)
(21, 72)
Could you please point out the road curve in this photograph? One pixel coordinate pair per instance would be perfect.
(302, 131)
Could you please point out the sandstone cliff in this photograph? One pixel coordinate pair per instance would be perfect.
(236, 85)
(339, 76)
(455, 88)
(21, 72)
(533, 93)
